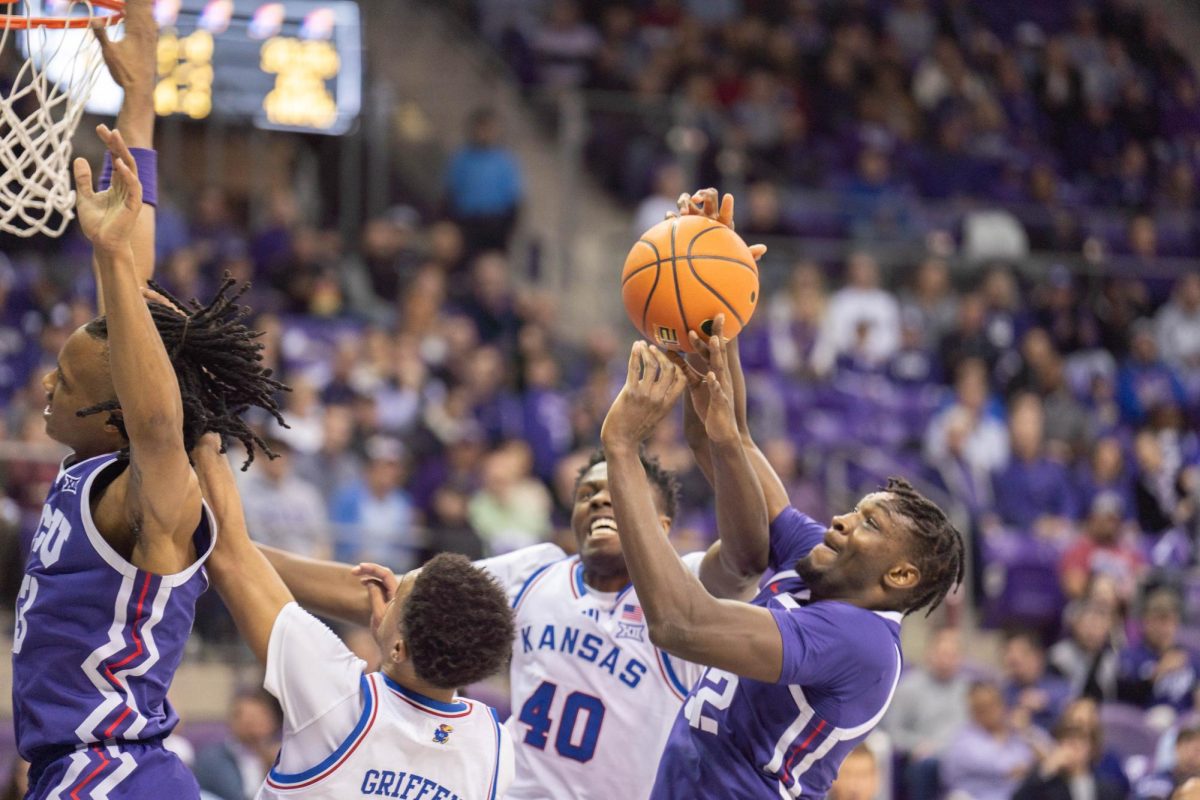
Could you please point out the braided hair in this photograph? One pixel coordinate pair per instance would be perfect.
(217, 363)
(939, 553)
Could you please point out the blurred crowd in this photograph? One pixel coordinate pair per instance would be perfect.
(903, 113)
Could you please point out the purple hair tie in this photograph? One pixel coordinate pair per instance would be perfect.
(147, 168)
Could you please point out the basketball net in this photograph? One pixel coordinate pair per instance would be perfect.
(39, 115)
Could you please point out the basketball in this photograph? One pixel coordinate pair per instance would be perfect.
(682, 273)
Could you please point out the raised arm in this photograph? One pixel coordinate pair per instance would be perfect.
(324, 587)
(132, 62)
(250, 587)
(732, 565)
(155, 503)
(684, 619)
(704, 203)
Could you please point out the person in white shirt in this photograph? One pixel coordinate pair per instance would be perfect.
(861, 316)
(399, 732)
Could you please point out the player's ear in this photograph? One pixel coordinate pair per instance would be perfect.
(399, 651)
(902, 576)
(665, 522)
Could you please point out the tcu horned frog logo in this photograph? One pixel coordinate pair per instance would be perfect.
(442, 734)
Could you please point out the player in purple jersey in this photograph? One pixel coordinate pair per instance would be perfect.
(110, 585)
(803, 673)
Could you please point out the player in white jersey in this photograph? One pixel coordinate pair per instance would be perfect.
(592, 698)
(401, 732)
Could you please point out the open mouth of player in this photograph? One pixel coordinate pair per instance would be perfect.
(602, 527)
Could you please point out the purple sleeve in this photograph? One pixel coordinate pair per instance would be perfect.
(815, 644)
(793, 534)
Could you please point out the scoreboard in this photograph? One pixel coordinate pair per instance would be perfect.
(294, 65)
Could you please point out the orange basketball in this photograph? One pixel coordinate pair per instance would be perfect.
(681, 274)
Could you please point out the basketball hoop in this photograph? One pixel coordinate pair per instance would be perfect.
(39, 115)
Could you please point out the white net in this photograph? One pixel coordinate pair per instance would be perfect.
(39, 115)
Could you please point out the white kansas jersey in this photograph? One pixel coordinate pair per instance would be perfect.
(347, 735)
(592, 699)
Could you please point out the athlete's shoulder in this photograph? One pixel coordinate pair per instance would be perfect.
(847, 634)
(516, 569)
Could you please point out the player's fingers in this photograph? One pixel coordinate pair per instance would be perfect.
(83, 178)
(376, 572)
(718, 326)
(757, 250)
(376, 600)
(726, 215)
(100, 31)
(133, 187)
(635, 365)
(698, 344)
(120, 150)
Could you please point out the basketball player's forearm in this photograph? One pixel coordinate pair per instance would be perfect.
(668, 591)
(772, 488)
(142, 374)
(325, 587)
(693, 432)
(742, 523)
(251, 589)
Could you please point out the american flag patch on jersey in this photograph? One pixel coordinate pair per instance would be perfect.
(632, 612)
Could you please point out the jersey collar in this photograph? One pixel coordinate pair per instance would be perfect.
(423, 702)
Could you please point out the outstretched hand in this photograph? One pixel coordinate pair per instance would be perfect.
(652, 385)
(107, 218)
(704, 203)
(710, 382)
(381, 584)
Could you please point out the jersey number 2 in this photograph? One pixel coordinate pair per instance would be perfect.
(716, 690)
(536, 714)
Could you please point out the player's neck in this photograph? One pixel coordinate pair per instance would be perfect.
(605, 583)
(407, 679)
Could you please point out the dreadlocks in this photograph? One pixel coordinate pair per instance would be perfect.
(939, 553)
(217, 363)
(662, 479)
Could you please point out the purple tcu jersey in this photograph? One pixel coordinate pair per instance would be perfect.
(97, 640)
(741, 738)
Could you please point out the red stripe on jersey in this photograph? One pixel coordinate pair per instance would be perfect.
(75, 792)
(792, 758)
(137, 618)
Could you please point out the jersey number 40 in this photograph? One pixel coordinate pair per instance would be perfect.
(536, 714)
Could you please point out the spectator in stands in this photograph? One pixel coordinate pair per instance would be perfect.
(335, 464)
(1031, 691)
(861, 303)
(970, 337)
(1145, 381)
(564, 46)
(932, 299)
(1105, 473)
(929, 707)
(511, 509)
(1102, 549)
(491, 304)
(669, 183)
(373, 516)
(1161, 785)
(965, 441)
(1161, 488)
(1177, 329)
(1032, 493)
(386, 261)
(1069, 769)
(858, 776)
(234, 769)
(1158, 670)
(1087, 659)
(987, 758)
(18, 779)
(794, 318)
(483, 182)
(282, 509)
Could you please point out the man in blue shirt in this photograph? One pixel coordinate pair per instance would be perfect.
(484, 185)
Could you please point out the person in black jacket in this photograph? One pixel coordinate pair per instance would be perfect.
(1068, 771)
